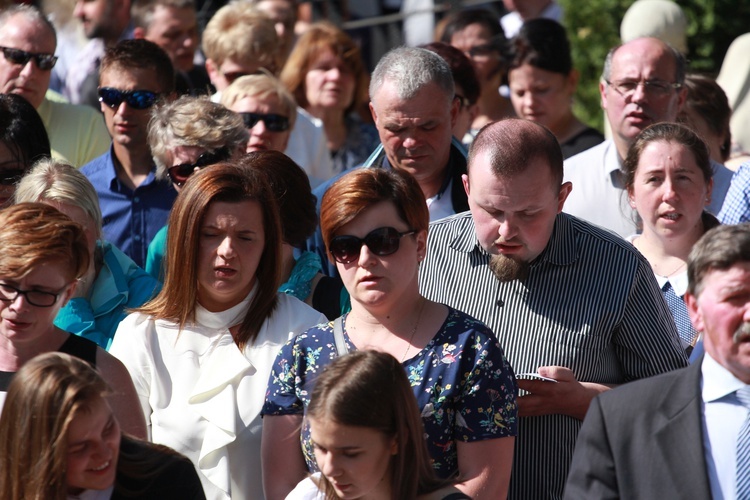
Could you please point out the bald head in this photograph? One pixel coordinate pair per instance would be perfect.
(511, 145)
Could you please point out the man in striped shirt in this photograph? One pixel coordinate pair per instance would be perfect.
(568, 301)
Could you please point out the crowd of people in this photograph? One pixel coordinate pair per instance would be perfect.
(236, 264)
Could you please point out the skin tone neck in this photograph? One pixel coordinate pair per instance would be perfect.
(133, 163)
(13, 355)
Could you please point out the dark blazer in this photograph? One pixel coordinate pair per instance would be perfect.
(643, 440)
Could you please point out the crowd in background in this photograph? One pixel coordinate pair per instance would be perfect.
(247, 254)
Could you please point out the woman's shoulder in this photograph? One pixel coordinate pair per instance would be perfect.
(460, 325)
(445, 493)
(307, 489)
(296, 314)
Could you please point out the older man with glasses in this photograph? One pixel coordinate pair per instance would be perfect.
(642, 83)
(135, 75)
(28, 43)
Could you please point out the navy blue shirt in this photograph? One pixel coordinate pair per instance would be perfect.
(131, 218)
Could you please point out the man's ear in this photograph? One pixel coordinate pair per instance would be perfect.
(565, 190)
(693, 309)
(465, 180)
(139, 33)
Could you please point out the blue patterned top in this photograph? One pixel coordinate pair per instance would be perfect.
(465, 388)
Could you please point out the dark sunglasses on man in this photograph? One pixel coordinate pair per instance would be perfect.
(136, 99)
(44, 62)
(179, 174)
(274, 123)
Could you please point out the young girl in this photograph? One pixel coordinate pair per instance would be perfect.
(59, 439)
(367, 435)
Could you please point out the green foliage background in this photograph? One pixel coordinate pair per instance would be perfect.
(594, 26)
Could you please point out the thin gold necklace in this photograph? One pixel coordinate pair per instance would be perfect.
(414, 330)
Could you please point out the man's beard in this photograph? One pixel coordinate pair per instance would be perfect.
(508, 269)
(742, 334)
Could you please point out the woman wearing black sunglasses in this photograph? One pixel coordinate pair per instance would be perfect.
(374, 224)
(187, 135)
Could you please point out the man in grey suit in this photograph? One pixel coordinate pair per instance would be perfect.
(678, 435)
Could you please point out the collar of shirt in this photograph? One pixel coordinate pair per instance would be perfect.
(717, 382)
(679, 282)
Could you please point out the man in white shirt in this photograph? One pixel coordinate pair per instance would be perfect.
(642, 84)
(678, 435)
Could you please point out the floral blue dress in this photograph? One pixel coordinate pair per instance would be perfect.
(465, 388)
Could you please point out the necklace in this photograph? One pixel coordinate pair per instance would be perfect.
(414, 330)
(682, 264)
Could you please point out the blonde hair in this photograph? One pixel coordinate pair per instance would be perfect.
(57, 181)
(260, 86)
(238, 31)
(192, 121)
(46, 395)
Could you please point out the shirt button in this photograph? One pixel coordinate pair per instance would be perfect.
(136, 200)
(137, 237)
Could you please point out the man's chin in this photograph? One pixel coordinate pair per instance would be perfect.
(507, 268)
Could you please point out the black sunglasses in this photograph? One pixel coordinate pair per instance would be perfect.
(11, 176)
(179, 174)
(274, 123)
(381, 241)
(17, 56)
(38, 298)
(136, 99)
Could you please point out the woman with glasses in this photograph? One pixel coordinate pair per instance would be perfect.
(60, 439)
(543, 82)
(112, 282)
(43, 254)
(23, 140)
(200, 353)
(186, 135)
(327, 77)
(267, 109)
(668, 177)
(374, 224)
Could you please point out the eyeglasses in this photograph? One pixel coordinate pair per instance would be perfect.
(17, 56)
(9, 293)
(9, 177)
(274, 123)
(179, 174)
(626, 88)
(381, 241)
(136, 99)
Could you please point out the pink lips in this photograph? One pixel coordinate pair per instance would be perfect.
(225, 272)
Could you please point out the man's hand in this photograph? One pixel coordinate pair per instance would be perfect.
(568, 396)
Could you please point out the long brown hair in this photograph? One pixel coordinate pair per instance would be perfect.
(370, 389)
(45, 396)
(229, 183)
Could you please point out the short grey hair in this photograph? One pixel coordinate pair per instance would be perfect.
(718, 249)
(410, 69)
(29, 12)
(679, 61)
(193, 121)
(52, 180)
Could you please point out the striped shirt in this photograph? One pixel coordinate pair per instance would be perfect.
(590, 303)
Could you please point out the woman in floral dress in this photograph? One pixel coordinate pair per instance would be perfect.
(374, 223)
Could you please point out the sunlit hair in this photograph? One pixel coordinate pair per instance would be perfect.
(240, 32)
(142, 11)
(512, 144)
(719, 249)
(22, 130)
(260, 87)
(542, 43)
(461, 69)
(140, 54)
(192, 121)
(319, 38)
(291, 187)
(31, 13)
(410, 69)
(462, 19)
(708, 101)
(55, 181)
(370, 389)
(227, 183)
(671, 133)
(45, 396)
(32, 234)
(360, 189)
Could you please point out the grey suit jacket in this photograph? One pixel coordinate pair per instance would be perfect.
(643, 440)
